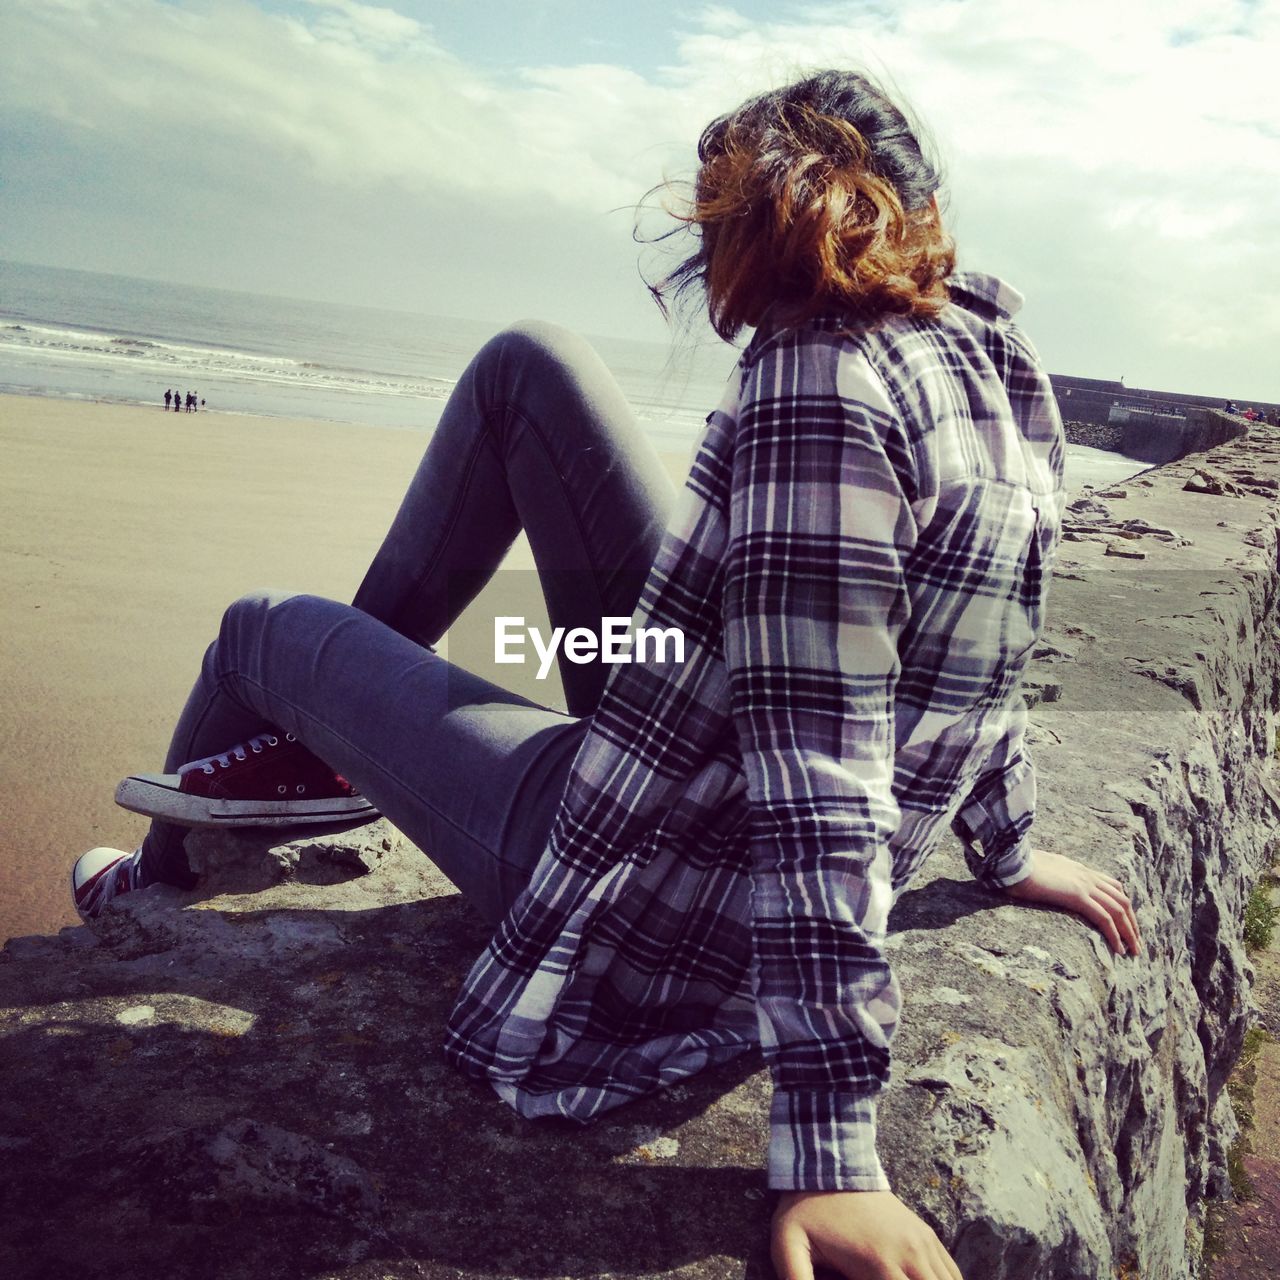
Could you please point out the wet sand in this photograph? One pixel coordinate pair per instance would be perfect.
(125, 533)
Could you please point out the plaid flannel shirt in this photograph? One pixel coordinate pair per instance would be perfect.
(859, 561)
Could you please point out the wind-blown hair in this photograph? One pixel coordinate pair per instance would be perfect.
(813, 195)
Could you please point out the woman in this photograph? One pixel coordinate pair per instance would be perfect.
(701, 855)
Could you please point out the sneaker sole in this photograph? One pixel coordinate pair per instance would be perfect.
(158, 799)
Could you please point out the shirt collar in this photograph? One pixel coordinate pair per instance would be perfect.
(984, 294)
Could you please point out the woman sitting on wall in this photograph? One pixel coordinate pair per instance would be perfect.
(701, 856)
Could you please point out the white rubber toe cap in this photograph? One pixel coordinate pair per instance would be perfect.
(90, 864)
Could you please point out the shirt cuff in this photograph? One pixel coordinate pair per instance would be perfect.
(1010, 867)
(1005, 856)
(823, 1141)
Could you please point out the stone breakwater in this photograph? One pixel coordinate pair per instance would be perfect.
(1160, 438)
(245, 1080)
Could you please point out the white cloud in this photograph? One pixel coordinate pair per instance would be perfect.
(367, 24)
(1117, 156)
(1121, 162)
(354, 92)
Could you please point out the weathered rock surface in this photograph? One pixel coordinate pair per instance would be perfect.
(1097, 435)
(245, 1080)
(1247, 1231)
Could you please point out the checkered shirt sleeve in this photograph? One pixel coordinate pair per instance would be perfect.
(820, 525)
(1000, 808)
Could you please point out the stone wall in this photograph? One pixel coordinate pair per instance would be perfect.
(1096, 400)
(245, 1080)
(1158, 438)
(1161, 439)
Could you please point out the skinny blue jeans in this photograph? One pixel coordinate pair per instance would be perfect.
(538, 436)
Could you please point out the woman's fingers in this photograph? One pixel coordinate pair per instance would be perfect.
(1113, 888)
(1117, 921)
(1129, 927)
(1131, 921)
(947, 1268)
(1124, 914)
(1127, 917)
(860, 1235)
(1097, 910)
(791, 1257)
(931, 1269)
(1059, 881)
(924, 1269)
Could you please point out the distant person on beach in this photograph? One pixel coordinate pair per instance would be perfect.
(168, 395)
(700, 856)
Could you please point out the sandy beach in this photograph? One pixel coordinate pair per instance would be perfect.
(126, 532)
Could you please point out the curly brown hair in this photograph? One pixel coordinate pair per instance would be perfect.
(812, 196)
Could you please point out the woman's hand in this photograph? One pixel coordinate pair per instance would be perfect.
(861, 1235)
(1059, 881)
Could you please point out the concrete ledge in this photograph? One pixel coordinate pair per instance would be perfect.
(1201, 429)
(245, 1080)
(1159, 439)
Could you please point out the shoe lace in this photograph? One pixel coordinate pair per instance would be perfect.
(222, 759)
(124, 877)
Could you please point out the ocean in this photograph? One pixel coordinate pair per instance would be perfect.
(89, 336)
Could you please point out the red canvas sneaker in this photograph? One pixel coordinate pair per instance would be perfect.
(101, 875)
(270, 781)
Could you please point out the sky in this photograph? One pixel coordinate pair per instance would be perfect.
(1118, 161)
